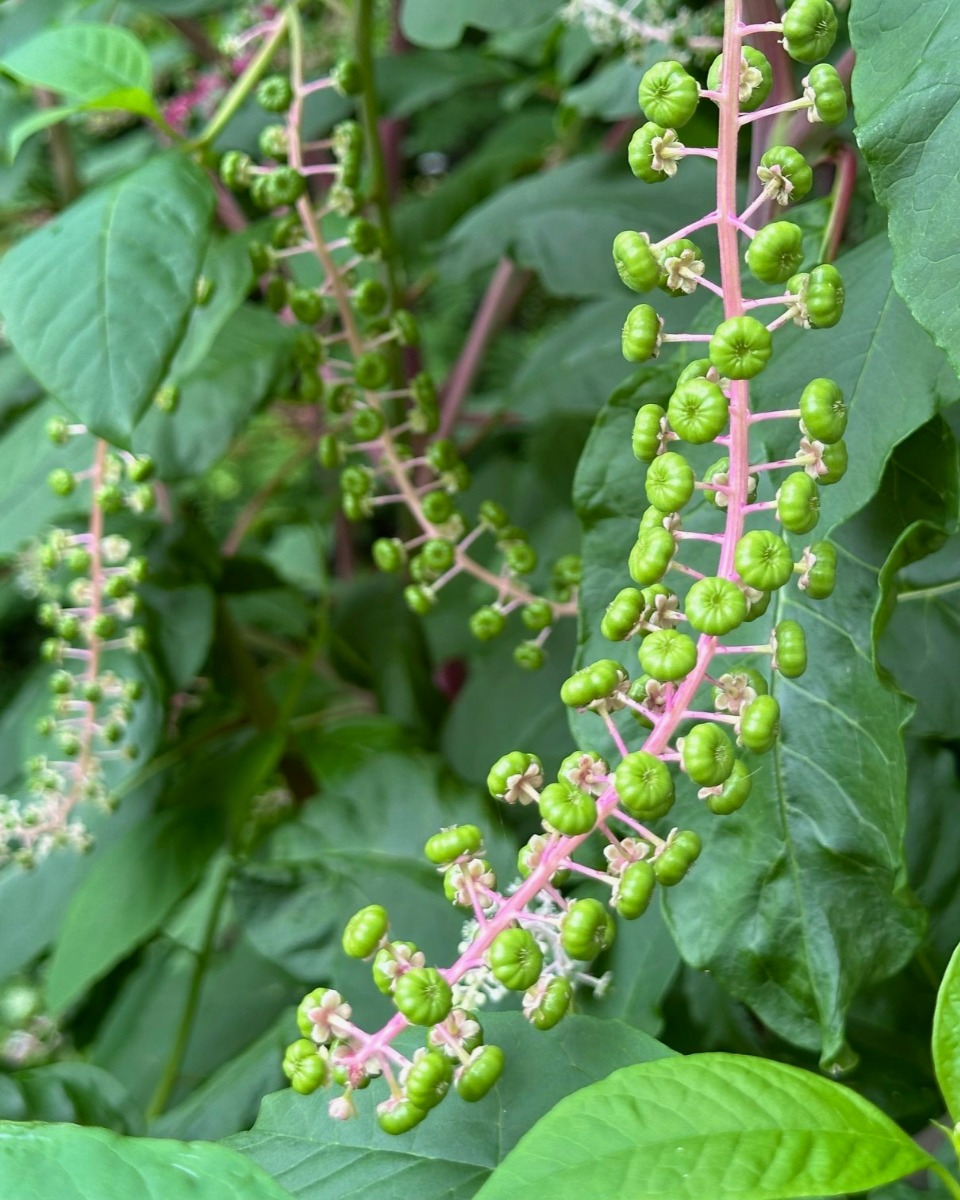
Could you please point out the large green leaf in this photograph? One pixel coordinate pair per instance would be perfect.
(77, 1092)
(717, 1125)
(449, 1155)
(905, 90)
(933, 845)
(441, 23)
(96, 302)
(946, 1037)
(125, 898)
(83, 61)
(93, 1164)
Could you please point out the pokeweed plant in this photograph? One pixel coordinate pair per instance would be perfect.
(241, 290)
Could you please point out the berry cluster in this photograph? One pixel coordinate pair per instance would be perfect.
(86, 583)
(381, 424)
(699, 712)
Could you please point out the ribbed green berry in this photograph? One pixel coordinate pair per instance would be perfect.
(429, 1079)
(529, 656)
(367, 424)
(756, 78)
(741, 347)
(715, 606)
(734, 793)
(567, 809)
(798, 503)
(763, 560)
(235, 167)
(672, 865)
(809, 30)
(823, 411)
(640, 153)
(622, 615)
(304, 1067)
(707, 754)
(423, 996)
(520, 557)
(697, 411)
(669, 94)
(347, 77)
(667, 655)
(537, 615)
(514, 765)
(552, 1006)
(371, 370)
(647, 432)
(437, 507)
(388, 554)
(785, 174)
(384, 967)
(825, 296)
(592, 684)
(449, 844)
(776, 252)
(644, 785)
(640, 339)
(364, 236)
(480, 1075)
(399, 1116)
(651, 555)
(419, 598)
(404, 324)
(306, 305)
(834, 458)
(670, 482)
(636, 263)
(821, 577)
(790, 654)
(635, 889)
(365, 930)
(275, 93)
(586, 929)
(487, 622)
(369, 297)
(61, 481)
(760, 724)
(515, 959)
(829, 95)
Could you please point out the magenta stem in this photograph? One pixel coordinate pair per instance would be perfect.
(709, 219)
(777, 415)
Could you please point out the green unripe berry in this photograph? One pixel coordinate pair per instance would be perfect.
(829, 96)
(567, 809)
(640, 339)
(776, 252)
(644, 785)
(61, 683)
(423, 996)
(756, 78)
(707, 754)
(369, 297)
(680, 269)
(438, 555)
(592, 684)
(651, 555)
(529, 656)
(641, 154)
(790, 649)
(371, 370)
(785, 174)
(405, 326)
(519, 767)
(734, 793)
(515, 959)
(553, 1005)
(568, 570)
(365, 931)
(822, 411)
(763, 560)
(307, 305)
(672, 865)
(356, 481)
(741, 347)
(286, 186)
(537, 615)
(586, 929)
(304, 1067)
(275, 93)
(437, 507)
(834, 458)
(820, 577)
(429, 1079)
(448, 845)
(715, 606)
(647, 432)
(635, 890)
(809, 30)
(273, 142)
(622, 615)
(667, 655)
(480, 1075)
(235, 169)
(347, 77)
(57, 431)
(670, 482)
(419, 598)
(399, 1116)
(364, 236)
(636, 263)
(760, 724)
(798, 503)
(668, 94)
(487, 622)
(61, 481)
(330, 453)
(825, 297)
(493, 514)
(520, 557)
(697, 411)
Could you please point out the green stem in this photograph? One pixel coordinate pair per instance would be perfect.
(171, 1070)
(370, 111)
(952, 1186)
(243, 86)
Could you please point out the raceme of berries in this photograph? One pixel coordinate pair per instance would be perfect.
(86, 585)
(381, 426)
(705, 712)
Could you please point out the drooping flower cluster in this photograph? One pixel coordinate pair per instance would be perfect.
(700, 706)
(86, 584)
(635, 24)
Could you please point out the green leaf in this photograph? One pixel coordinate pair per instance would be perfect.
(441, 23)
(610, 92)
(126, 897)
(717, 1125)
(217, 397)
(410, 82)
(933, 844)
(456, 1149)
(26, 127)
(182, 628)
(561, 223)
(946, 1037)
(96, 302)
(94, 1164)
(77, 1092)
(84, 62)
(908, 126)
